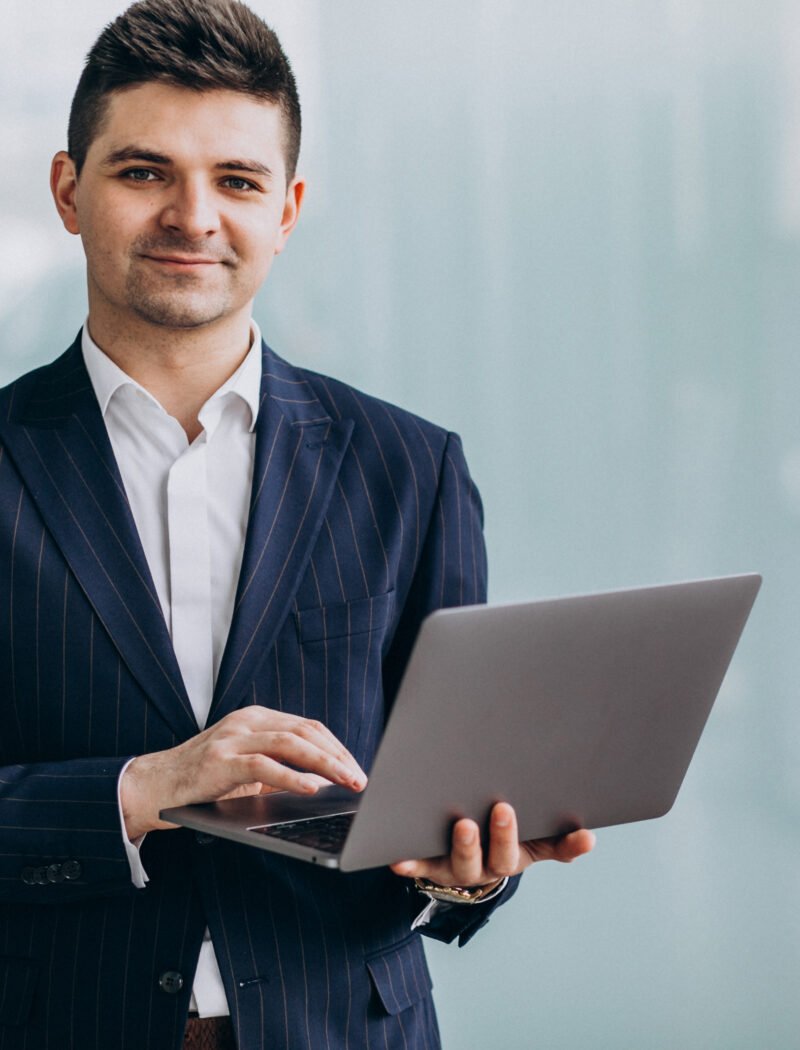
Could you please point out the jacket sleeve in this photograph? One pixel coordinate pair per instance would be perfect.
(60, 835)
(451, 571)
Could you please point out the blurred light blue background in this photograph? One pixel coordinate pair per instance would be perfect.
(571, 231)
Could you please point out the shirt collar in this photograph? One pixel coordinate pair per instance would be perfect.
(107, 378)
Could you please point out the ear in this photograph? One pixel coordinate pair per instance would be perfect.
(291, 211)
(63, 186)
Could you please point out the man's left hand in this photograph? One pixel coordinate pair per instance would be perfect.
(468, 866)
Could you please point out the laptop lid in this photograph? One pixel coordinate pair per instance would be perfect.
(582, 711)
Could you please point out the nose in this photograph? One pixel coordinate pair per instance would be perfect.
(191, 210)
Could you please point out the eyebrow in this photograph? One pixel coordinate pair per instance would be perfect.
(255, 167)
(137, 153)
(119, 156)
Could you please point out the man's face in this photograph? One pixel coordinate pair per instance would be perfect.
(181, 205)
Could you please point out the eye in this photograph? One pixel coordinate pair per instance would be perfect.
(235, 182)
(139, 175)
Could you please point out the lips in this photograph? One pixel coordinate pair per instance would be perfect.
(182, 260)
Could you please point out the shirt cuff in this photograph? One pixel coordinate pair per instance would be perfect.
(139, 876)
(432, 907)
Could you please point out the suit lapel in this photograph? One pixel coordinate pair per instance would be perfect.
(299, 451)
(58, 441)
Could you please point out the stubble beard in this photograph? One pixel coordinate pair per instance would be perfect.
(177, 302)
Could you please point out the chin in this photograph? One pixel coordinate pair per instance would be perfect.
(172, 314)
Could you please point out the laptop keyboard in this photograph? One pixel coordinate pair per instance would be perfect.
(322, 833)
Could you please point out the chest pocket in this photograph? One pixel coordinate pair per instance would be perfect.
(345, 619)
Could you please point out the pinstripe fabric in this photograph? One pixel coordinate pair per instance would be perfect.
(363, 519)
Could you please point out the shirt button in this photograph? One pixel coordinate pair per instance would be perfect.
(71, 870)
(170, 982)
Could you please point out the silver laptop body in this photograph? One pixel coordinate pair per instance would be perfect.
(581, 712)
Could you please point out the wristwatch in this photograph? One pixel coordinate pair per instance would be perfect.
(459, 894)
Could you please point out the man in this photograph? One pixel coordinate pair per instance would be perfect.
(214, 566)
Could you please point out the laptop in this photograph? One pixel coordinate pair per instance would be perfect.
(580, 711)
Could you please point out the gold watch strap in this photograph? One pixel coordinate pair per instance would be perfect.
(455, 894)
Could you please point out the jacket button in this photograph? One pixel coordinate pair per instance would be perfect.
(40, 876)
(71, 870)
(202, 839)
(170, 982)
(55, 873)
(28, 876)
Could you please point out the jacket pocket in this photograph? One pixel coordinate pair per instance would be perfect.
(326, 622)
(18, 979)
(400, 975)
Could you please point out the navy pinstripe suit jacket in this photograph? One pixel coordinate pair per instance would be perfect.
(363, 518)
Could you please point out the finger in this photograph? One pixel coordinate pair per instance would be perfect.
(256, 719)
(272, 774)
(318, 733)
(330, 745)
(564, 848)
(437, 869)
(308, 756)
(464, 865)
(411, 869)
(504, 852)
(245, 790)
(322, 782)
(466, 855)
(574, 845)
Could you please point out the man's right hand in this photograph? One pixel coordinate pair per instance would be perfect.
(243, 754)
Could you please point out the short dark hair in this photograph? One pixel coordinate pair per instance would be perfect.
(198, 44)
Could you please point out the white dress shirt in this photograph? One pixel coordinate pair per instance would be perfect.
(190, 503)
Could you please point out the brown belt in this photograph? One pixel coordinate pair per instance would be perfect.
(209, 1033)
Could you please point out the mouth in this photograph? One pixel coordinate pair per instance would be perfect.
(182, 262)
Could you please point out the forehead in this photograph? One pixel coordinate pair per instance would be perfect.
(197, 125)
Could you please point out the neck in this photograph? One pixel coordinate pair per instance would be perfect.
(181, 368)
